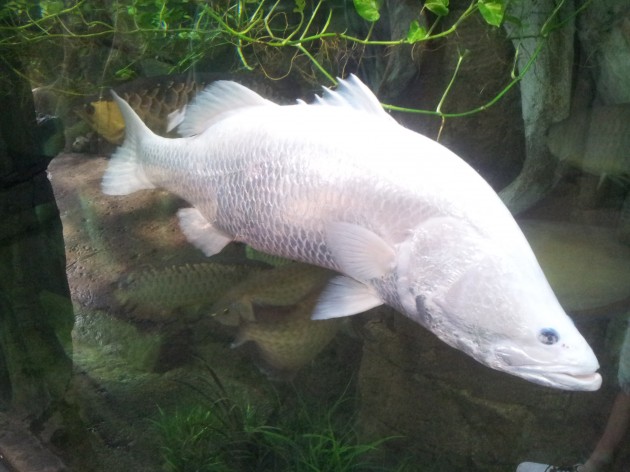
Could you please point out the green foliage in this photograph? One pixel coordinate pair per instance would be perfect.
(182, 33)
(416, 32)
(437, 7)
(369, 10)
(187, 438)
(229, 434)
(223, 434)
(315, 38)
(492, 11)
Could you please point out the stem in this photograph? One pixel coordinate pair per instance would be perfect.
(451, 82)
(316, 63)
(310, 21)
(268, 16)
(460, 59)
(484, 107)
(242, 28)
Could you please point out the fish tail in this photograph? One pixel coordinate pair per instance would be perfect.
(124, 174)
(241, 337)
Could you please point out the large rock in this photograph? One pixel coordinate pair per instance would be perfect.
(604, 32)
(545, 90)
(450, 413)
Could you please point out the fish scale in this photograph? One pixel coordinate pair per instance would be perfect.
(283, 286)
(341, 185)
(251, 210)
(158, 293)
(287, 341)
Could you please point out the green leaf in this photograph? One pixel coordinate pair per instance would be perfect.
(416, 32)
(368, 9)
(51, 7)
(125, 73)
(493, 11)
(299, 6)
(437, 7)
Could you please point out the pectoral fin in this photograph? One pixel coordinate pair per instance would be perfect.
(344, 296)
(360, 252)
(200, 233)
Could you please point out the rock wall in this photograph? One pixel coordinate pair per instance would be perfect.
(452, 413)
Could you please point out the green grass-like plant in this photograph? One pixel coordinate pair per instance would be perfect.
(228, 433)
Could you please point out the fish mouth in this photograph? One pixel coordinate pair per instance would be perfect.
(578, 374)
(556, 377)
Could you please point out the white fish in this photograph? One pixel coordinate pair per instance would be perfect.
(341, 185)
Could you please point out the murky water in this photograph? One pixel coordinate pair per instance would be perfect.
(171, 360)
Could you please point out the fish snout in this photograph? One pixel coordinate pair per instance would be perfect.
(576, 371)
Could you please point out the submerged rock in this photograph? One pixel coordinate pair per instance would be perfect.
(23, 450)
(597, 140)
(545, 91)
(452, 413)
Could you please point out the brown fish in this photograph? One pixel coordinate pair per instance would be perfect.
(283, 286)
(273, 310)
(159, 101)
(156, 293)
(286, 340)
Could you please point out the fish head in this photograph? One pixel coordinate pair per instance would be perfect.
(497, 307)
(232, 311)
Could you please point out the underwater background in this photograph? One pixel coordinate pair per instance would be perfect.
(122, 347)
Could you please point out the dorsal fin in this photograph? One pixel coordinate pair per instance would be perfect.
(215, 103)
(353, 93)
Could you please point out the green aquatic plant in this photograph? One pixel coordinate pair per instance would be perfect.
(181, 33)
(187, 436)
(317, 38)
(319, 438)
(277, 25)
(223, 433)
(226, 432)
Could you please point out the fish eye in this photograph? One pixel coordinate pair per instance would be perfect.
(220, 312)
(548, 336)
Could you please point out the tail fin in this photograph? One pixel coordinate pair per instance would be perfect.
(125, 174)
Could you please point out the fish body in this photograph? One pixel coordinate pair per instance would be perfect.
(283, 286)
(288, 339)
(341, 185)
(272, 310)
(156, 293)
